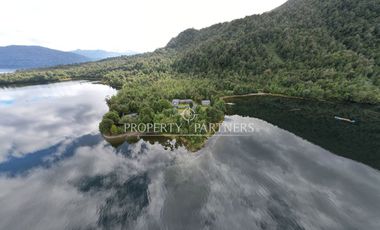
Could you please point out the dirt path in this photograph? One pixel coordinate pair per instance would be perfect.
(261, 94)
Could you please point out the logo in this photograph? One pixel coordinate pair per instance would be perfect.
(188, 114)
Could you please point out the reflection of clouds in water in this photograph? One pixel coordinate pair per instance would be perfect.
(52, 198)
(44, 115)
(22, 95)
(270, 180)
(45, 199)
(276, 179)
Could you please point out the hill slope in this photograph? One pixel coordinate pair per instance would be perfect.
(305, 45)
(25, 57)
(298, 31)
(309, 48)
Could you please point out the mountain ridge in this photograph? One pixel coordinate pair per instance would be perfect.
(26, 57)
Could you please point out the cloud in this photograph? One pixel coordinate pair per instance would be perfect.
(114, 25)
(269, 180)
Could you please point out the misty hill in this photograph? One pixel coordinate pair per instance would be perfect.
(26, 57)
(101, 54)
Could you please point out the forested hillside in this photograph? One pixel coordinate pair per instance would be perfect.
(309, 48)
(305, 47)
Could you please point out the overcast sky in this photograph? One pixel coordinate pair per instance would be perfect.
(115, 25)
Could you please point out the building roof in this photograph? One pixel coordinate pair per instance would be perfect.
(206, 102)
(184, 101)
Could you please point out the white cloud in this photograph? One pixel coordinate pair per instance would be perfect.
(42, 121)
(114, 24)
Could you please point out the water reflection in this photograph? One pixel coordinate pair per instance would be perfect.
(3, 71)
(38, 117)
(269, 180)
(48, 156)
(314, 121)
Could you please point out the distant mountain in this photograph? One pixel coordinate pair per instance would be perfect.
(101, 54)
(27, 57)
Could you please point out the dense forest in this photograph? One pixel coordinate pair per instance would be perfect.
(151, 100)
(309, 48)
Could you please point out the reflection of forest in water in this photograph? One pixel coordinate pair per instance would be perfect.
(314, 121)
(169, 142)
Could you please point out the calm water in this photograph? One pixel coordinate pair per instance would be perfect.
(7, 71)
(314, 121)
(56, 172)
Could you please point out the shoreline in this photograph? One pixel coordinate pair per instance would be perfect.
(46, 82)
(285, 96)
(262, 94)
(124, 135)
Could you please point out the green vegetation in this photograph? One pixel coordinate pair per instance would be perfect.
(112, 71)
(151, 101)
(308, 48)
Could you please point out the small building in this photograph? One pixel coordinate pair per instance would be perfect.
(206, 102)
(175, 102)
(182, 103)
(133, 115)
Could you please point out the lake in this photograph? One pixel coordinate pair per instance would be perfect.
(57, 172)
(7, 71)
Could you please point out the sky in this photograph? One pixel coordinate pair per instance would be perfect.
(114, 25)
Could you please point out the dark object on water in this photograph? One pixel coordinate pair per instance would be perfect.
(344, 119)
